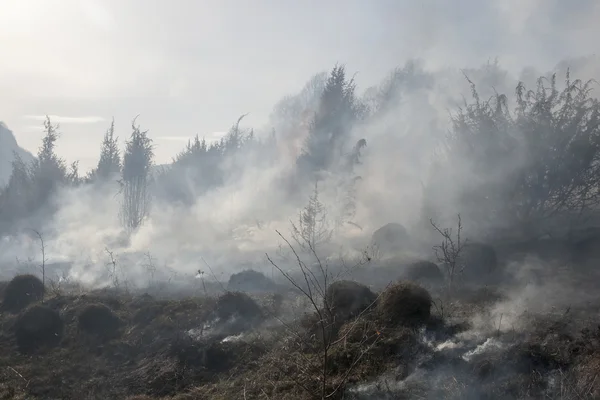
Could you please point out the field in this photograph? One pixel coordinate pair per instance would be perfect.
(524, 338)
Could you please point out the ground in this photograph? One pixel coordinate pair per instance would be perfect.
(472, 346)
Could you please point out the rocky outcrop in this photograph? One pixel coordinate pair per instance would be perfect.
(9, 146)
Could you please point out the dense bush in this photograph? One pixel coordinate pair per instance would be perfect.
(516, 169)
(250, 281)
(348, 298)
(99, 320)
(404, 303)
(423, 271)
(38, 326)
(390, 238)
(478, 261)
(233, 305)
(21, 291)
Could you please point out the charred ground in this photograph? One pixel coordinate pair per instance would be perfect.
(403, 341)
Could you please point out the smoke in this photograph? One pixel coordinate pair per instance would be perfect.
(233, 223)
(505, 342)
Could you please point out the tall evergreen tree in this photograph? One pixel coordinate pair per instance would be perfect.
(48, 171)
(109, 164)
(136, 178)
(331, 124)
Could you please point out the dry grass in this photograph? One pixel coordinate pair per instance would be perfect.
(404, 302)
(153, 358)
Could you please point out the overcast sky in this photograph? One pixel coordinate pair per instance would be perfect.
(193, 66)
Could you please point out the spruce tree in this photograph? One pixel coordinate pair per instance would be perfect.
(109, 164)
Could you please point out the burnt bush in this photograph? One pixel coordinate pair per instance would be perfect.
(21, 291)
(479, 261)
(211, 355)
(99, 320)
(235, 312)
(348, 298)
(250, 281)
(36, 327)
(423, 271)
(3, 286)
(236, 304)
(390, 238)
(404, 303)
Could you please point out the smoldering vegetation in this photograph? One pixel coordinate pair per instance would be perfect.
(364, 245)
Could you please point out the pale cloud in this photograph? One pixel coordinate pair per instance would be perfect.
(98, 14)
(33, 128)
(174, 138)
(66, 120)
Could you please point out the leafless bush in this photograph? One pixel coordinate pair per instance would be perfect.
(115, 274)
(57, 285)
(314, 288)
(448, 252)
(312, 229)
(43, 265)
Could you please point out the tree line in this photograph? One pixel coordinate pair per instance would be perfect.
(518, 158)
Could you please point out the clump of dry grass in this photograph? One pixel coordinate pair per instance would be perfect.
(250, 281)
(423, 271)
(38, 326)
(348, 298)
(99, 320)
(237, 305)
(21, 291)
(404, 303)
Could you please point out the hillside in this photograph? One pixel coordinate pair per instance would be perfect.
(9, 145)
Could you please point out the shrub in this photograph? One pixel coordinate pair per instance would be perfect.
(38, 326)
(3, 286)
(423, 271)
(478, 261)
(404, 303)
(525, 167)
(348, 298)
(21, 291)
(390, 238)
(250, 281)
(236, 304)
(234, 313)
(99, 320)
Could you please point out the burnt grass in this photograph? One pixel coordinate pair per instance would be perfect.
(152, 356)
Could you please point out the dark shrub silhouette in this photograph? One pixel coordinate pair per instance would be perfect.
(423, 271)
(478, 261)
(236, 304)
(21, 291)
(250, 281)
(404, 303)
(235, 312)
(99, 320)
(390, 238)
(36, 327)
(348, 298)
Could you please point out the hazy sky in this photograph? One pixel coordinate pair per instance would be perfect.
(193, 66)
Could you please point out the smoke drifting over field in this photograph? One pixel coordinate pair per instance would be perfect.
(232, 223)
(466, 136)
